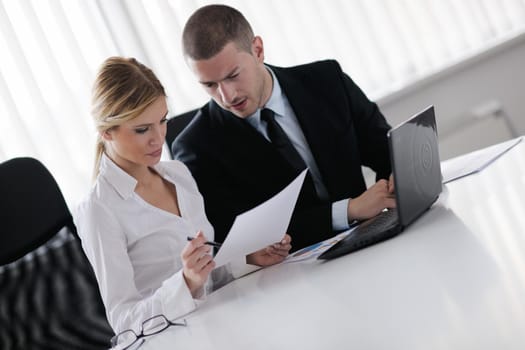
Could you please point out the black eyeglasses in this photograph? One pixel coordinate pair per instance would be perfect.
(151, 326)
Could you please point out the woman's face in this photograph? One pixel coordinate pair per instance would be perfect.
(139, 142)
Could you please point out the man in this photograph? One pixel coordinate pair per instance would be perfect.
(239, 156)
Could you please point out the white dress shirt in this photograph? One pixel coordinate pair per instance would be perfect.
(134, 247)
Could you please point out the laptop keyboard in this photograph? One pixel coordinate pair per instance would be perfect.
(379, 223)
(383, 226)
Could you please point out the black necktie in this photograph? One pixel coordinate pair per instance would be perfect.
(281, 141)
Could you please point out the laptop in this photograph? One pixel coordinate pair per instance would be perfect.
(417, 178)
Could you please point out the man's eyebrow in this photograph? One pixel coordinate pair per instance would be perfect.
(232, 72)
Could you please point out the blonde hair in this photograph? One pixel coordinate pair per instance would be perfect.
(122, 90)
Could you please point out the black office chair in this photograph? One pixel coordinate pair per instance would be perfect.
(176, 125)
(49, 297)
(32, 208)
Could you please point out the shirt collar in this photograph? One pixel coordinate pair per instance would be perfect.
(275, 102)
(120, 180)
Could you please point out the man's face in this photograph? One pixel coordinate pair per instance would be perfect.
(237, 80)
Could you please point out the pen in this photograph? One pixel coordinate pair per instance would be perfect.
(213, 244)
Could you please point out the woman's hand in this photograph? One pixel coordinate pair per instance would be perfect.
(197, 263)
(272, 254)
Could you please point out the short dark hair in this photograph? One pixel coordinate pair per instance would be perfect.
(211, 27)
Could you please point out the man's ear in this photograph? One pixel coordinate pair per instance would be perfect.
(258, 48)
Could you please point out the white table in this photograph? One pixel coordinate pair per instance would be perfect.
(455, 279)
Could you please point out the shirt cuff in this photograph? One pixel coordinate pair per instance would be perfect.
(340, 215)
(177, 298)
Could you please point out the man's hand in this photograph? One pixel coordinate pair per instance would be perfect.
(391, 186)
(272, 254)
(372, 201)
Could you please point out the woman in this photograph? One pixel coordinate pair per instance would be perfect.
(136, 219)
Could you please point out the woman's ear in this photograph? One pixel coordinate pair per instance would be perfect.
(107, 135)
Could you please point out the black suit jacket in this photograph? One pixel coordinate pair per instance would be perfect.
(236, 168)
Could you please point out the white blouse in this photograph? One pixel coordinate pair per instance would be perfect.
(134, 247)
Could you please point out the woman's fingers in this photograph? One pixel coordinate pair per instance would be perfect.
(196, 254)
(197, 242)
(201, 262)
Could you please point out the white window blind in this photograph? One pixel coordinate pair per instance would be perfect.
(51, 50)
(383, 44)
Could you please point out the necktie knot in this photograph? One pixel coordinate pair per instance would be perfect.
(275, 133)
(281, 141)
(266, 114)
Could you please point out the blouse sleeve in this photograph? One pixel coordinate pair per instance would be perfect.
(105, 245)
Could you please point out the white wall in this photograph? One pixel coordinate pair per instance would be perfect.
(490, 85)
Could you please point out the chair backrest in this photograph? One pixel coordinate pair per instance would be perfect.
(176, 125)
(32, 208)
(50, 300)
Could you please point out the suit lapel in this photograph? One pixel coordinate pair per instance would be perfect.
(311, 114)
(246, 154)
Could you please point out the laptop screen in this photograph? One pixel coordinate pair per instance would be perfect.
(415, 164)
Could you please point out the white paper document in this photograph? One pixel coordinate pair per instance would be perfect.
(261, 226)
(473, 162)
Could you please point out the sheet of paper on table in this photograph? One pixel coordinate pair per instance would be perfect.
(470, 163)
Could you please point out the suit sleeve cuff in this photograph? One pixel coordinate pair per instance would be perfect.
(340, 215)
